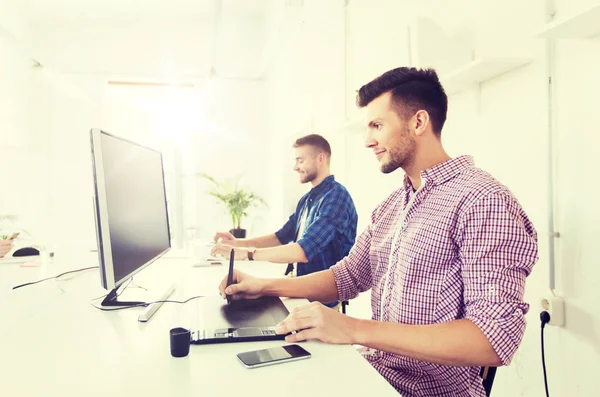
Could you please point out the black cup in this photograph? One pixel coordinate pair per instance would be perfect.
(180, 342)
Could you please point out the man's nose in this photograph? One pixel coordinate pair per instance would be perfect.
(369, 140)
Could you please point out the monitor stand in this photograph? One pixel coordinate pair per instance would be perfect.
(150, 309)
(111, 300)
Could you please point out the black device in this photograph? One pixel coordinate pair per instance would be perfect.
(132, 222)
(274, 355)
(26, 251)
(179, 339)
(230, 274)
(243, 320)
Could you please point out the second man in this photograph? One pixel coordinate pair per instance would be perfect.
(322, 229)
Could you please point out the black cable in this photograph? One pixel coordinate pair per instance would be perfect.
(146, 304)
(125, 287)
(138, 286)
(545, 318)
(120, 290)
(50, 278)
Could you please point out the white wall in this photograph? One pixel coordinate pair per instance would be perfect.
(505, 126)
(576, 352)
(325, 52)
(299, 103)
(43, 136)
(217, 128)
(503, 123)
(24, 117)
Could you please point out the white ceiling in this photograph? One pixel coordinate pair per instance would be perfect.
(180, 39)
(60, 11)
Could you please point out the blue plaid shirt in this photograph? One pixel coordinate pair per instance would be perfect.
(330, 228)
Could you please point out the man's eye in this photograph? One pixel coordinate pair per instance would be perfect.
(378, 126)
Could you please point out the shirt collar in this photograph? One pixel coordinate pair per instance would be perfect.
(323, 186)
(443, 172)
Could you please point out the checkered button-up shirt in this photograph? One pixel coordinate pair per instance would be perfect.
(461, 248)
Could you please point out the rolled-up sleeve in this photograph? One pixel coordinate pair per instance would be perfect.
(288, 232)
(498, 248)
(353, 274)
(332, 219)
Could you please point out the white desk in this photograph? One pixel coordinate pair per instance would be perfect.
(54, 343)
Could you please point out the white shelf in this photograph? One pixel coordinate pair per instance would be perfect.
(583, 25)
(478, 71)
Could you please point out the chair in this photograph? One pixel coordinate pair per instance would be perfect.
(488, 374)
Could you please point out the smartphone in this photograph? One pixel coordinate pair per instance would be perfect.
(274, 355)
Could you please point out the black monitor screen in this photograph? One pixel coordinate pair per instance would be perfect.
(135, 204)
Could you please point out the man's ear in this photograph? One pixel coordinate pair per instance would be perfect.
(421, 122)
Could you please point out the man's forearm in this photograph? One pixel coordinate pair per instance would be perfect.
(270, 240)
(289, 253)
(318, 286)
(459, 342)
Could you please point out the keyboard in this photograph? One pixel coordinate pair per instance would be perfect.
(230, 335)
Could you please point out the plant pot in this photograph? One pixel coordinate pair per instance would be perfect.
(238, 233)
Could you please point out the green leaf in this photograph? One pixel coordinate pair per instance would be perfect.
(235, 199)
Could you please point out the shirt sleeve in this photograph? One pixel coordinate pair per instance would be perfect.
(498, 248)
(353, 274)
(288, 232)
(332, 219)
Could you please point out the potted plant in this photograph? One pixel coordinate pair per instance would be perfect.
(8, 233)
(8, 227)
(237, 201)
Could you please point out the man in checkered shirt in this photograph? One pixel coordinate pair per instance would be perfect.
(445, 256)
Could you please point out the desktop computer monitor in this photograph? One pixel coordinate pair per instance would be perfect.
(130, 205)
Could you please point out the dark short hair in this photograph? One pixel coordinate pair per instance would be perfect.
(412, 90)
(316, 141)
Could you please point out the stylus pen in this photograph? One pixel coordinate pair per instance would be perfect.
(230, 275)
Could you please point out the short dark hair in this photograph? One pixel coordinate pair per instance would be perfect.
(412, 90)
(316, 141)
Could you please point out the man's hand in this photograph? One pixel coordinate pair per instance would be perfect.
(5, 247)
(226, 238)
(244, 287)
(316, 321)
(225, 251)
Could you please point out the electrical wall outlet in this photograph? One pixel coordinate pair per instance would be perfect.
(555, 306)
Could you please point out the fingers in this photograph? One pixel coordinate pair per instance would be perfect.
(237, 276)
(223, 290)
(244, 287)
(239, 286)
(303, 317)
(235, 289)
(303, 335)
(222, 287)
(237, 297)
(287, 326)
(223, 236)
(221, 249)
